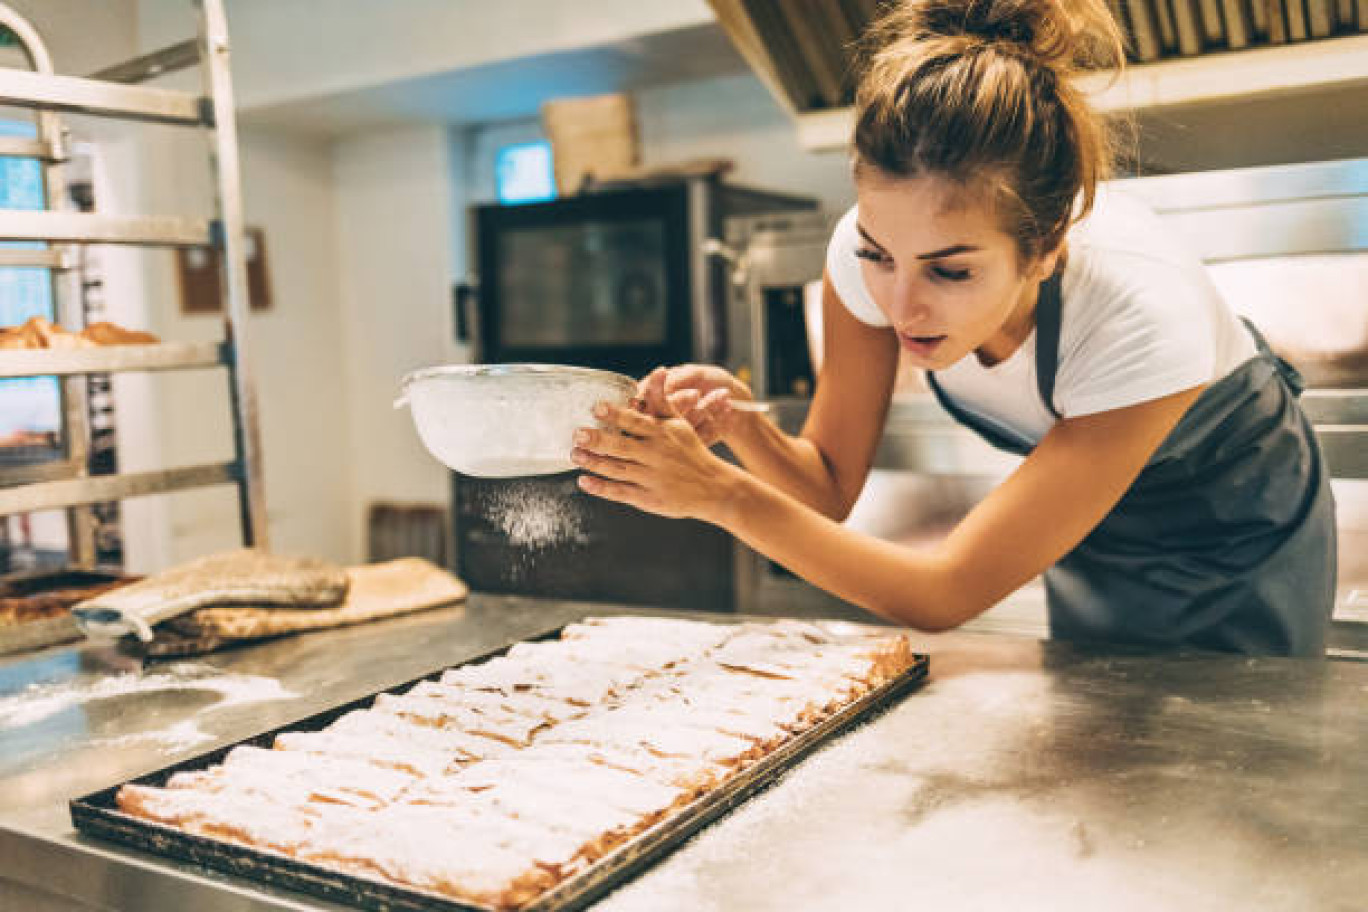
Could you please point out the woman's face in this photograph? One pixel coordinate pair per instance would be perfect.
(943, 271)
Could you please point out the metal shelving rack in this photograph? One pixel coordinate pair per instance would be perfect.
(116, 92)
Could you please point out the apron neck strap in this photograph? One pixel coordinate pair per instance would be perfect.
(1049, 313)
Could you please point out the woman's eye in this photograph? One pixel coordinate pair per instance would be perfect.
(950, 275)
(873, 256)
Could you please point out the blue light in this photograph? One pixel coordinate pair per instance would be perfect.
(27, 404)
(524, 173)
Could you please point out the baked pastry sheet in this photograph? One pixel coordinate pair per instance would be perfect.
(533, 779)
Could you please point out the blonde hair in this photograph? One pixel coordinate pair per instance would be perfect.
(981, 92)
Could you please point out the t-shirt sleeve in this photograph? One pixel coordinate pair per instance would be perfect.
(1143, 334)
(844, 269)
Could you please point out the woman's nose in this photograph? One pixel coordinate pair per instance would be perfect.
(909, 303)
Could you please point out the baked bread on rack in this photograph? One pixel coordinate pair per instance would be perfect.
(39, 332)
(497, 781)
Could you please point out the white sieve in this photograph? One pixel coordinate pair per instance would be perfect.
(507, 420)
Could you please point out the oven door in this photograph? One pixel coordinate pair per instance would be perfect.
(596, 281)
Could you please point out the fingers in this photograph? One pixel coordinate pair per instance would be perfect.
(609, 450)
(711, 414)
(609, 443)
(625, 419)
(684, 376)
(715, 404)
(617, 491)
(645, 383)
(625, 493)
(626, 434)
(683, 404)
(609, 467)
(651, 392)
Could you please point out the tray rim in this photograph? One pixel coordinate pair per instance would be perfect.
(97, 813)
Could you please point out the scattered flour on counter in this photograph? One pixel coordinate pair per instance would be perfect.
(178, 738)
(534, 517)
(43, 701)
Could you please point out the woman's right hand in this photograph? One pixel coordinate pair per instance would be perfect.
(699, 393)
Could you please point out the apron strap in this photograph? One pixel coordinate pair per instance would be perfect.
(995, 434)
(1049, 314)
(1291, 376)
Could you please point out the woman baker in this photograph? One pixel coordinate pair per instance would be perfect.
(1172, 491)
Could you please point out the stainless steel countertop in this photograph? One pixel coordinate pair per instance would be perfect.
(1025, 775)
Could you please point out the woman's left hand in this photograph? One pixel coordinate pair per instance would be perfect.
(655, 464)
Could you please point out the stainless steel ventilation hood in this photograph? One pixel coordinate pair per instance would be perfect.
(1187, 56)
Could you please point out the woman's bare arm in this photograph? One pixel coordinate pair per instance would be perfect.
(1068, 484)
(825, 467)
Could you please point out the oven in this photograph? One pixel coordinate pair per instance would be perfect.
(620, 280)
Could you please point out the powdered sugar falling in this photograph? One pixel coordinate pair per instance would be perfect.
(534, 517)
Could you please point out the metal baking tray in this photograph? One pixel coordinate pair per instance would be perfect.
(98, 815)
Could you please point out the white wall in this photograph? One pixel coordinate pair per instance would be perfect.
(736, 117)
(394, 230)
(298, 346)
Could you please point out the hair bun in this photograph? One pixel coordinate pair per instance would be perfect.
(1058, 33)
(1010, 21)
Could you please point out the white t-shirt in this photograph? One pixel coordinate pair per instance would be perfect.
(1141, 320)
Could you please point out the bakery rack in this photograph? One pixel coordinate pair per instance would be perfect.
(117, 92)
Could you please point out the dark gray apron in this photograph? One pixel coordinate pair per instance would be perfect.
(1226, 540)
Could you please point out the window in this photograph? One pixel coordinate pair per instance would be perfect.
(30, 407)
(524, 173)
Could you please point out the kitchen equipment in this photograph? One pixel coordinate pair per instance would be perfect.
(1287, 249)
(507, 420)
(621, 279)
(544, 537)
(98, 815)
(69, 482)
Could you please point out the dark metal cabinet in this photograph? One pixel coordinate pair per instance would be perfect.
(544, 537)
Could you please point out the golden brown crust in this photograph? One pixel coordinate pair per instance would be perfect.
(106, 333)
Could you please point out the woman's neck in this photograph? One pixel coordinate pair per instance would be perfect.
(1014, 330)
(1017, 327)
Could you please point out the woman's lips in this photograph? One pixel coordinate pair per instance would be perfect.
(922, 346)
